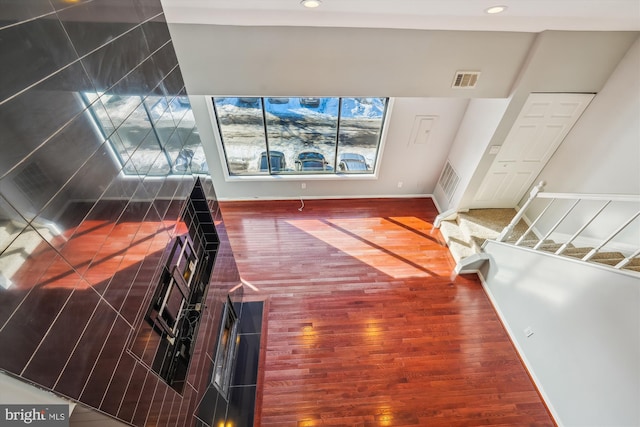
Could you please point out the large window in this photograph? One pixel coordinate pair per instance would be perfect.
(155, 135)
(268, 136)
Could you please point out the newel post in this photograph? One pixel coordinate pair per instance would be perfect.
(509, 228)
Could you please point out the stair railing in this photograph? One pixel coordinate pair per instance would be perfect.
(576, 198)
(516, 219)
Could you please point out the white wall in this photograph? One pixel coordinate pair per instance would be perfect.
(417, 166)
(471, 144)
(603, 148)
(303, 61)
(584, 353)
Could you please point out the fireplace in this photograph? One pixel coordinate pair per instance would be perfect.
(226, 351)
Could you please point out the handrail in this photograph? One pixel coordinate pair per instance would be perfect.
(555, 218)
(591, 196)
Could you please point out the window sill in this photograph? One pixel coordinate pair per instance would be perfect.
(300, 177)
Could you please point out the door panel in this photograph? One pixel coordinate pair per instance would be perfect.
(542, 147)
(543, 123)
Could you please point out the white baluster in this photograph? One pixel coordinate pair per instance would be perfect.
(509, 228)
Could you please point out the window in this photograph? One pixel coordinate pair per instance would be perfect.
(149, 135)
(289, 136)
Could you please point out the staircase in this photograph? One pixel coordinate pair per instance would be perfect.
(466, 234)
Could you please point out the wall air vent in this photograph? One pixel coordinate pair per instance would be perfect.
(32, 181)
(448, 180)
(466, 79)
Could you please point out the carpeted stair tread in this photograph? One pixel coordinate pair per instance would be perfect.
(611, 261)
(550, 247)
(576, 252)
(614, 261)
(488, 223)
(456, 240)
(532, 243)
(634, 262)
(598, 256)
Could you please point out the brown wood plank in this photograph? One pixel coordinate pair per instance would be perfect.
(365, 327)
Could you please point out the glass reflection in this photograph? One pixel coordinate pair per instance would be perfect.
(360, 129)
(242, 129)
(150, 136)
(28, 257)
(11, 224)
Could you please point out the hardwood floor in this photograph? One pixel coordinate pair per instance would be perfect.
(365, 326)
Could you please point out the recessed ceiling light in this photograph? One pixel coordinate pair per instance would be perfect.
(310, 3)
(495, 9)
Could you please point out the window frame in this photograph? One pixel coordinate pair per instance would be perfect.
(268, 177)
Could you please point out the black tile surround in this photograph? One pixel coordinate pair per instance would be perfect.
(239, 410)
(71, 303)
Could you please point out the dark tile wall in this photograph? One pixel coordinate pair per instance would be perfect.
(81, 242)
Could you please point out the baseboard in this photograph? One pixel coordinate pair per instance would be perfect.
(334, 197)
(519, 350)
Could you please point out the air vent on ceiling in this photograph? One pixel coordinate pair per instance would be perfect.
(448, 180)
(466, 79)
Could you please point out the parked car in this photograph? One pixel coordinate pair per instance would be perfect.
(277, 159)
(278, 100)
(310, 102)
(312, 161)
(353, 162)
(252, 102)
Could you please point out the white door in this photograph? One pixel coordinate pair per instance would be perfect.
(543, 123)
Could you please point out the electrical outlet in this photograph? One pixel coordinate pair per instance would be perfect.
(399, 184)
(303, 185)
(528, 332)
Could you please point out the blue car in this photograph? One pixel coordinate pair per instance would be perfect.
(277, 159)
(249, 102)
(310, 102)
(278, 100)
(312, 161)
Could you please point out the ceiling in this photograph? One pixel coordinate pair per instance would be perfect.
(521, 15)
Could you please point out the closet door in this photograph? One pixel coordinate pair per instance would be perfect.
(541, 126)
